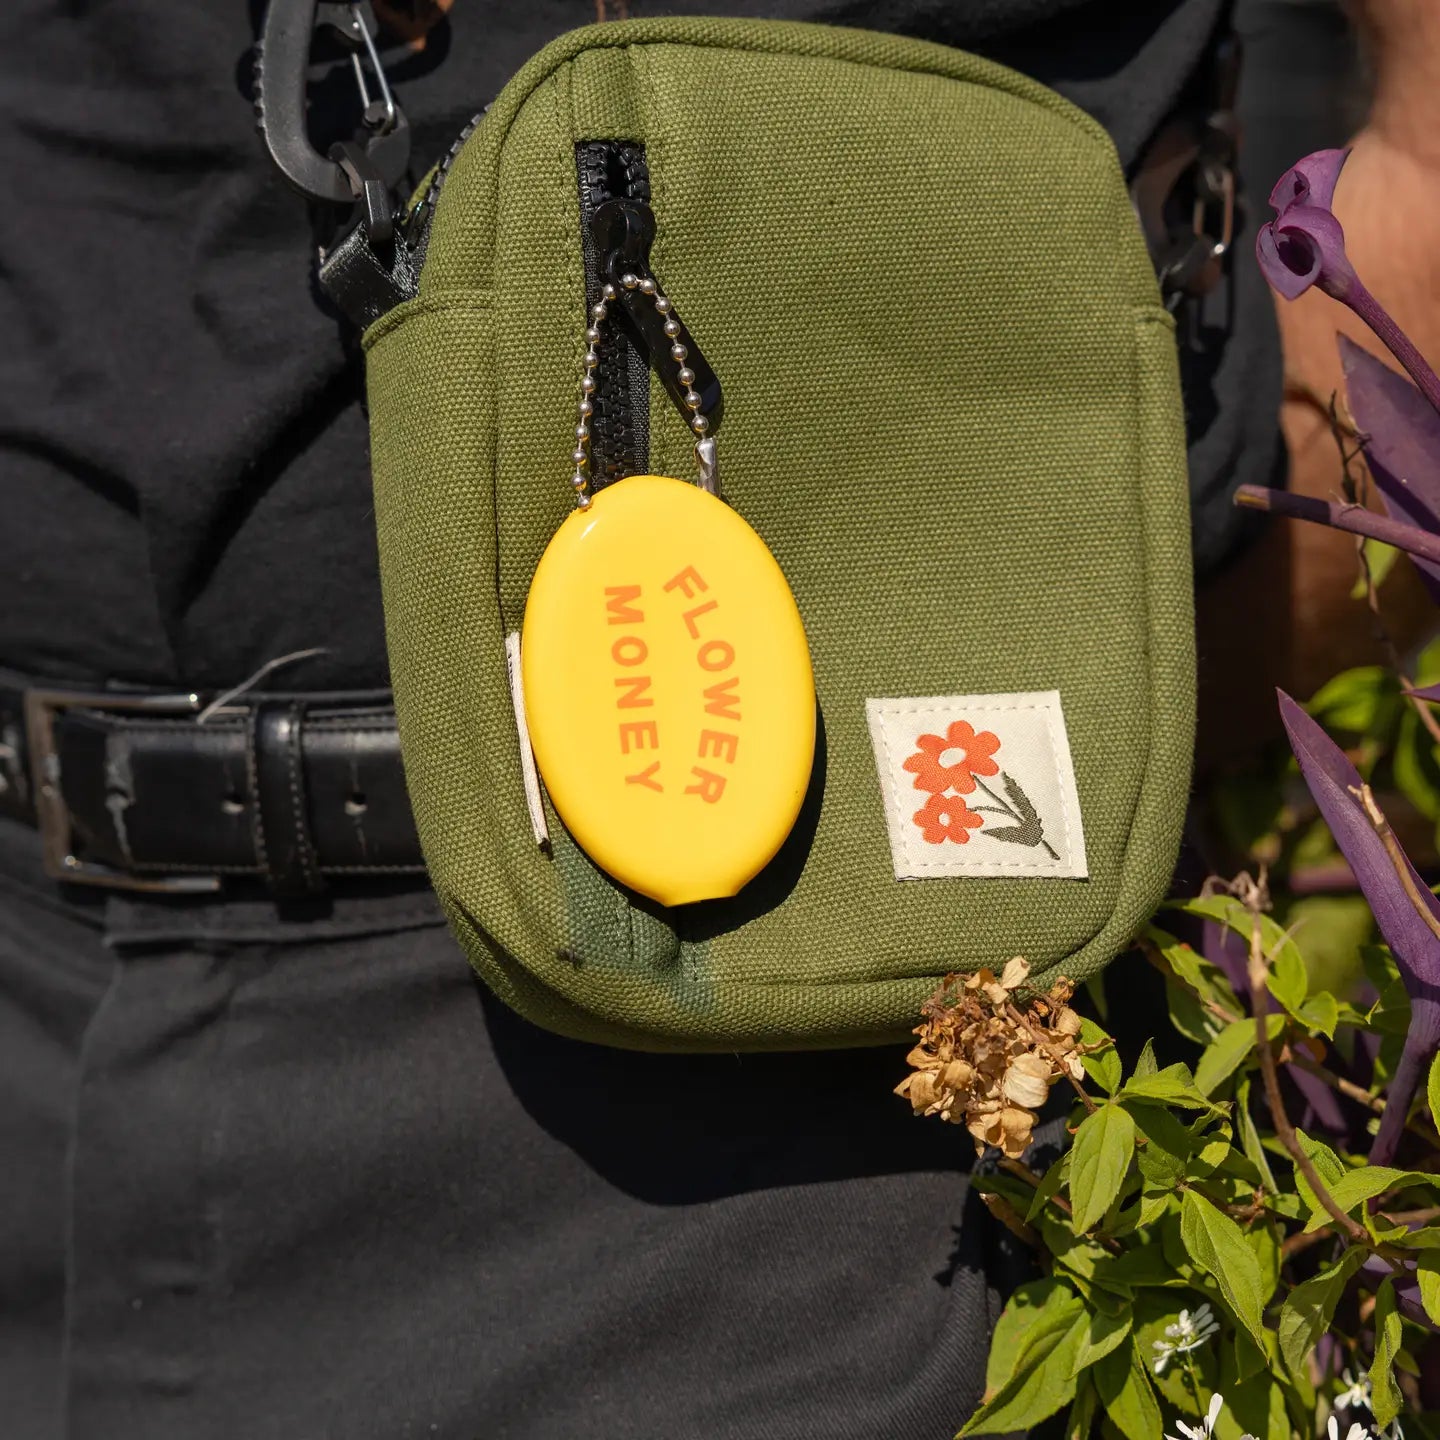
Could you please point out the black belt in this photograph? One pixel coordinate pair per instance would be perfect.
(155, 792)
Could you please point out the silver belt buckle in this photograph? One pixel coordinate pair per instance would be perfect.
(42, 707)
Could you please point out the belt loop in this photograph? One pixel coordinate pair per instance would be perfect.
(284, 843)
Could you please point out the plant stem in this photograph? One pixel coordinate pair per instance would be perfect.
(1374, 1103)
(1194, 1383)
(1341, 516)
(1335, 1082)
(1284, 1130)
(1018, 1017)
(1376, 816)
(1414, 1217)
(1022, 1171)
(1006, 810)
(1370, 310)
(1007, 1215)
(1298, 1243)
(1372, 592)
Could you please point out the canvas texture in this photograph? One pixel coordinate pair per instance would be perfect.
(952, 412)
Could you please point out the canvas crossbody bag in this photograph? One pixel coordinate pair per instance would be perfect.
(917, 320)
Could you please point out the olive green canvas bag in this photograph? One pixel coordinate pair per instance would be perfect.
(951, 410)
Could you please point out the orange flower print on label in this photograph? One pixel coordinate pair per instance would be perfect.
(993, 779)
(946, 817)
(952, 761)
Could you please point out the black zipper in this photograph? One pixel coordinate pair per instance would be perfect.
(422, 213)
(616, 230)
(610, 170)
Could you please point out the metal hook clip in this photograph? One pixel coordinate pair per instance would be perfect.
(282, 59)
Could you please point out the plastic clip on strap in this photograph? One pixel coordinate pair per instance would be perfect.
(365, 173)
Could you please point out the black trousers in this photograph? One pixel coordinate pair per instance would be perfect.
(302, 1177)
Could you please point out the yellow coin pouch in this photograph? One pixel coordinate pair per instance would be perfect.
(668, 690)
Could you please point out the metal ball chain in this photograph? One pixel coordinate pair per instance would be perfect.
(580, 480)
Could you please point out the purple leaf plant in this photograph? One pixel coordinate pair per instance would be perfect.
(1304, 245)
(1404, 908)
(1399, 423)
(1399, 428)
(1402, 445)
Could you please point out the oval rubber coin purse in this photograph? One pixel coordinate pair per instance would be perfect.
(668, 689)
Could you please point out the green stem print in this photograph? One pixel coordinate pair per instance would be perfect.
(1027, 829)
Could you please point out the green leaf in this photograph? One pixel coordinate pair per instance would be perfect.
(1328, 1165)
(1031, 1351)
(1254, 1403)
(1380, 967)
(1192, 969)
(1413, 766)
(1287, 975)
(1153, 1204)
(1217, 1245)
(1229, 1050)
(1099, 1335)
(1174, 1085)
(1049, 1186)
(1099, 1161)
(1188, 1016)
(1168, 1145)
(1309, 1307)
(1320, 1014)
(1126, 1394)
(1132, 1269)
(1213, 1153)
(1026, 1308)
(1082, 1412)
(1385, 1397)
(1147, 1064)
(1365, 700)
(1354, 1187)
(1250, 1140)
(1432, 1091)
(1427, 1237)
(1288, 980)
(1103, 1067)
(1264, 1239)
(1428, 1273)
(1079, 1258)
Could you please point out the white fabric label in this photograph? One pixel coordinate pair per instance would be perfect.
(978, 785)
(529, 775)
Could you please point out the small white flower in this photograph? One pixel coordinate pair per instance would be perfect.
(1205, 1430)
(1356, 1395)
(1189, 1332)
(1355, 1432)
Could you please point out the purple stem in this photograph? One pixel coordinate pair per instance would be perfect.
(1354, 518)
(1420, 1042)
(1369, 309)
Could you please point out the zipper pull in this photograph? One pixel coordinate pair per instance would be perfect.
(624, 231)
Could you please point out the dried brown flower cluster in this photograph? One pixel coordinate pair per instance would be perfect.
(986, 1062)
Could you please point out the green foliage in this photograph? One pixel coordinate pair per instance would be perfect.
(1310, 1306)
(1218, 1246)
(1031, 1357)
(1104, 1149)
(1386, 1399)
(1163, 1229)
